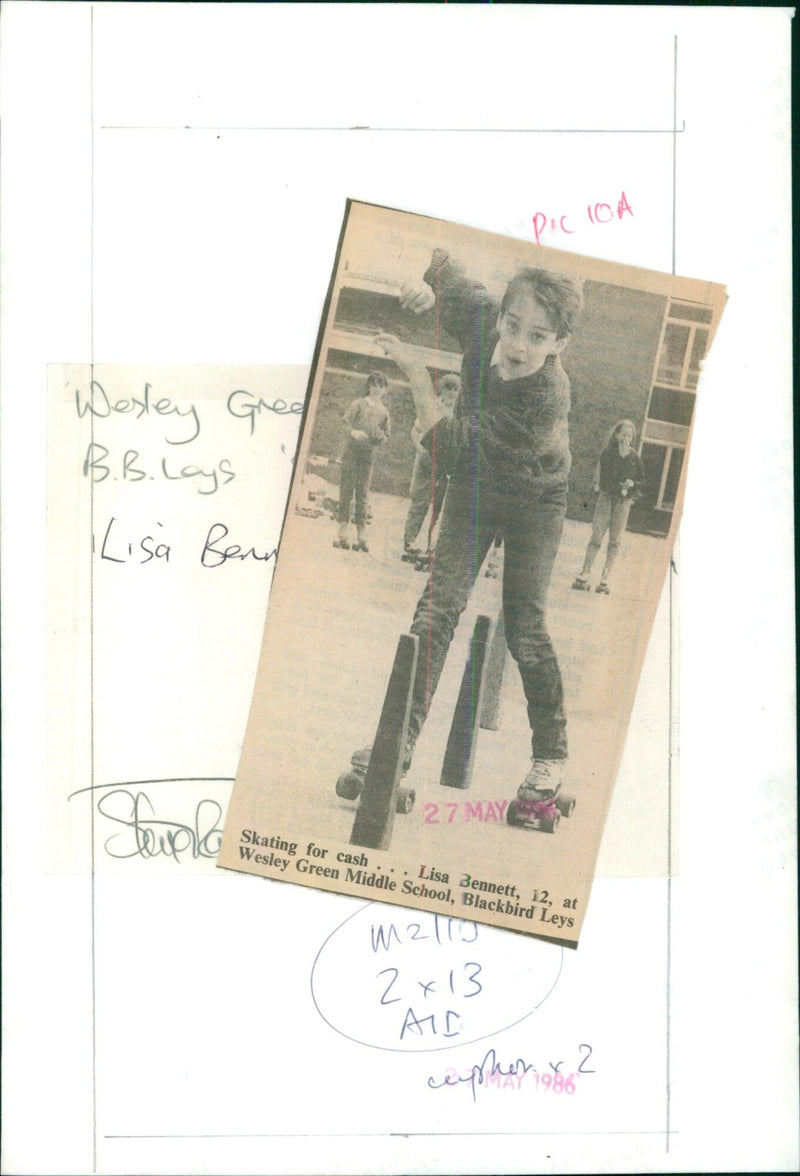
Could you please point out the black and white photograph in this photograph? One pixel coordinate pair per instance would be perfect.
(484, 503)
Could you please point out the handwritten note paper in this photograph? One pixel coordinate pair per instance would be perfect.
(166, 496)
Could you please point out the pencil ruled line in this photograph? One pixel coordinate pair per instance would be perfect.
(380, 1134)
(405, 130)
(159, 780)
(670, 573)
(91, 604)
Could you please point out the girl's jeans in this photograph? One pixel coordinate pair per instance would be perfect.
(532, 532)
(610, 514)
(356, 473)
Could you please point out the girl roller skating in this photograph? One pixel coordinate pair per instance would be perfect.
(619, 481)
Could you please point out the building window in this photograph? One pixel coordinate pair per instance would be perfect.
(672, 405)
(662, 470)
(683, 346)
(684, 343)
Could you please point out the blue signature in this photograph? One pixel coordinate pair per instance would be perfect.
(149, 836)
(145, 834)
(489, 1072)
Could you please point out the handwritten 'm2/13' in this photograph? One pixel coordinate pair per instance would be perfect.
(453, 985)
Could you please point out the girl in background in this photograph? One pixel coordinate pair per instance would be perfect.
(619, 481)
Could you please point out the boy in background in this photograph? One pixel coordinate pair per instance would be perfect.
(429, 478)
(367, 422)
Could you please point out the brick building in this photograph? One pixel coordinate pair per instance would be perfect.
(634, 354)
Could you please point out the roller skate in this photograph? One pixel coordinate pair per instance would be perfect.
(423, 563)
(602, 587)
(581, 583)
(342, 542)
(494, 564)
(540, 803)
(350, 784)
(410, 553)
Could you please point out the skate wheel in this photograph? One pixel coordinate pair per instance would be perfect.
(550, 824)
(405, 800)
(565, 805)
(348, 786)
(513, 815)
(359, 760)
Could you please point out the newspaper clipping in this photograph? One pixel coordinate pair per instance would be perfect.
(485, 498)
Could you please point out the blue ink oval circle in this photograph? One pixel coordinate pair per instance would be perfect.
(410, 982)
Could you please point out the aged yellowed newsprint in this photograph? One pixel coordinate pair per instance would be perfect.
(484, 504)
